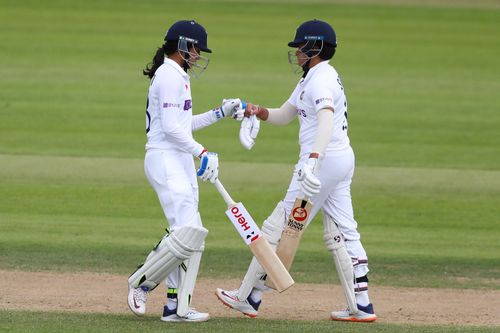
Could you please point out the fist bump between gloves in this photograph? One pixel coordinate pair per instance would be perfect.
(233, 108)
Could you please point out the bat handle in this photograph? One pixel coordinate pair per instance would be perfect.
(303, 196)
(227, 198)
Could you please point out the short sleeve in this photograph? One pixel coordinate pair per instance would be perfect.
(322, 96)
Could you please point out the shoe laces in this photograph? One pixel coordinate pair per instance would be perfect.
(192, 311)
(141, 295)
(232, 293)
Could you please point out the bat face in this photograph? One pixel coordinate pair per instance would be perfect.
(244, 223)
(290, 238)
(261, 249)
(250, 232)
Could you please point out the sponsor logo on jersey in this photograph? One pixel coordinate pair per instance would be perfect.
(171, 105)
(302, 94)
(324, 99)
(187, 104)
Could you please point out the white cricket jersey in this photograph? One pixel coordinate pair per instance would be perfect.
(320, 88)
(169, 111)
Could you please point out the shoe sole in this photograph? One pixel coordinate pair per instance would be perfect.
(355, 320)
(184, 320)
(231, 307)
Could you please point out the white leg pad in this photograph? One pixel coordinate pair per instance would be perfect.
(335, 244)
(271, 230)
(187, 282)
(172, 250)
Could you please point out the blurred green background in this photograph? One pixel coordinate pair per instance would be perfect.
(422, 82)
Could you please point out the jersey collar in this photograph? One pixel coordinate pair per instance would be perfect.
(175, 65)
(315, 68)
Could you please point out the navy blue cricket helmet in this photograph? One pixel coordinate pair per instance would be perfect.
(191, 31)
(314, 30)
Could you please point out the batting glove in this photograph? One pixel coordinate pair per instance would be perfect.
(248, 131)
(233, 108)
(209, 166)
(308, 182)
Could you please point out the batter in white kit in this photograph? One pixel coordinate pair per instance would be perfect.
(324, 171)
(170, 169)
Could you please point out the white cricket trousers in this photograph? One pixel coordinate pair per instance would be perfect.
(172, 174)
(335, 173)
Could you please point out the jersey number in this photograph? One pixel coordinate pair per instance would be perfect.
(148, 117)
(344, 127)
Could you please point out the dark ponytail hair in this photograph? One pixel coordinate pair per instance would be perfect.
(328, 51)
(168, 48)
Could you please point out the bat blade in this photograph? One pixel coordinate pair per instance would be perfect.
(259, 246)
(292, 233)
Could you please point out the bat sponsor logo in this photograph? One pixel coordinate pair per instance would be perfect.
(252, 236)
(295, 225)
(244, 223)
(299, 214)
(240, 218)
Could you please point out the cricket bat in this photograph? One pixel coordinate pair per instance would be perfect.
(292, 233)
(252, 236)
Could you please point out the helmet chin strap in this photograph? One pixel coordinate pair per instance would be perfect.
(185, 65)
(305, 68)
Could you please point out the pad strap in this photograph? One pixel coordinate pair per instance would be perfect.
(172, 293)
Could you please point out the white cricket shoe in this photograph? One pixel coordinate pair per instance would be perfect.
(191, 316)
(365, 314)
(229, 298)
(137, 298)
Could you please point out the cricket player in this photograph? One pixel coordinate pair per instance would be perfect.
(323, 172)
(170, 169)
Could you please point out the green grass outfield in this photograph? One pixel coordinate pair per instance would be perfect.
(422, 82)
(69, 322)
